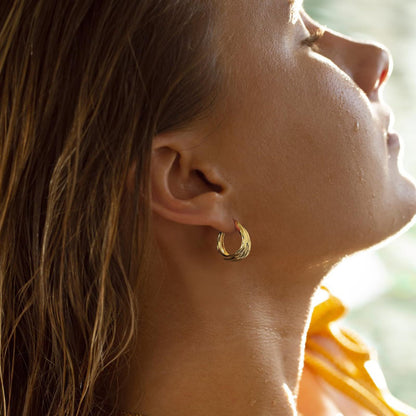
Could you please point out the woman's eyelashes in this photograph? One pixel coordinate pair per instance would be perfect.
(313, 38)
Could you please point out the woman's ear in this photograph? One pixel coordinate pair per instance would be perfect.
(185, 185)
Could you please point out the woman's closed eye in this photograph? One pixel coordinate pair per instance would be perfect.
(313, 38)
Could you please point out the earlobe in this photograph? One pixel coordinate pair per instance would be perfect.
(184, 188)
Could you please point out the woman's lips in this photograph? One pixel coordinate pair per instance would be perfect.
(393, 140)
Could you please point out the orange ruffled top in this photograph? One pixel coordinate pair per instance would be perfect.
(344, 361)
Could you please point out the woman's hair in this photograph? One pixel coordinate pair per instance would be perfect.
(84, 87)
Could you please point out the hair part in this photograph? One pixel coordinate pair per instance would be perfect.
(84, 87)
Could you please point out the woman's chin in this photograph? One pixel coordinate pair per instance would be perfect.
(398, 215)
(390, 217)
(406, 198)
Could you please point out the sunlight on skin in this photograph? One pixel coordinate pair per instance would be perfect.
(290, 396)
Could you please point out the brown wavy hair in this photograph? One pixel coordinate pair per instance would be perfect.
(84, 87)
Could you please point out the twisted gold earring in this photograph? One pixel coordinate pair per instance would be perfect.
(244, 249)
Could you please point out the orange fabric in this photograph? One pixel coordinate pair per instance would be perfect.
(343, 360)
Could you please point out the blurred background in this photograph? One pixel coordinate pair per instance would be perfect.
(379, 286)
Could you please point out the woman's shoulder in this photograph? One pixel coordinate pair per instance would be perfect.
(345, 363)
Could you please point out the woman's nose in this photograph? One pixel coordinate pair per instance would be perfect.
(371, 66)
(368, 64)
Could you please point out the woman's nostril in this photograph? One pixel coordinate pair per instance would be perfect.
(382, 78)
(383, 66)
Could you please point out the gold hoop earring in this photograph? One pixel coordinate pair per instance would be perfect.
(245, 246)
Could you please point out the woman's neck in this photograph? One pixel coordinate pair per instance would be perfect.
(221, 343)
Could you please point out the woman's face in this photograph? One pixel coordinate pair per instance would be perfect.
(303, 135)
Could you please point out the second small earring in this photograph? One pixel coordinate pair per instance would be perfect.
(245, 246)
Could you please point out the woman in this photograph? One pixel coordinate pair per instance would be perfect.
(136, 134)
